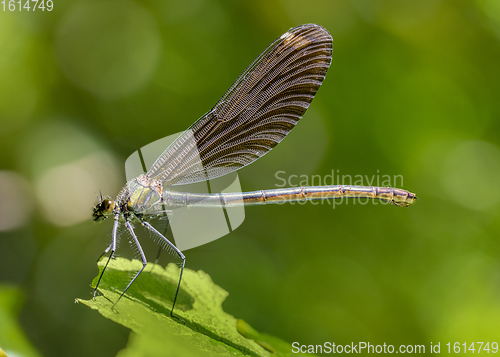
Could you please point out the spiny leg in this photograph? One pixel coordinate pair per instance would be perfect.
(143, 258)
(164, 233)
(158, 255)
(177, 251)
(111, 248)
(105, 252)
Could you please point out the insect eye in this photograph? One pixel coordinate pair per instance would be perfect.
(103, 209)
(107, 206)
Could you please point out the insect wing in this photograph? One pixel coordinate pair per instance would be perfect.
(255, 114)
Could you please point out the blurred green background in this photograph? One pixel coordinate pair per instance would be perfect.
(412, 91)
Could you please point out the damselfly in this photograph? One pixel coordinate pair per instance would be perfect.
(254, 115)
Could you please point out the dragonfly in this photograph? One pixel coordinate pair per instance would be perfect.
(257, 112)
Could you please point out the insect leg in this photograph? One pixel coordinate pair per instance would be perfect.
(105, 251)
(176, 251)
(143, 258)
(167, 218)
(111, 248)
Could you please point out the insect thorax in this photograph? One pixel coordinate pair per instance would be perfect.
(142, 194)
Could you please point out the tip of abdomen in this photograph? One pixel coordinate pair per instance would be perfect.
(403, 198)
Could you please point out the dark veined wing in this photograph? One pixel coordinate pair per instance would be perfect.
(255, 114)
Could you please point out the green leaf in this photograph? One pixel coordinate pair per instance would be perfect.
(13, 341)
(205, 329)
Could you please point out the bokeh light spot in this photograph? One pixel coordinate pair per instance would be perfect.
(15, 201)
(338, 16)
(18, 93)
(110, 52)
(471, 173)
(67, 193)
(491, 9)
